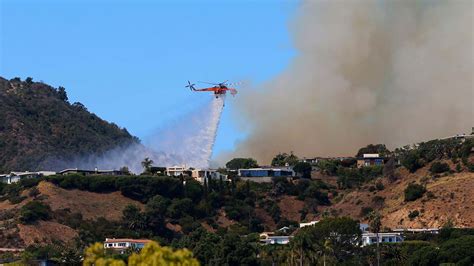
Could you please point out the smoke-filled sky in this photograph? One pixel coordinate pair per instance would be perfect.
(393, 72)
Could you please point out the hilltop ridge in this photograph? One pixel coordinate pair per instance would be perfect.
(39, 127)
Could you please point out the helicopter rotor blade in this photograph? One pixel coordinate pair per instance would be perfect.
(208, 82)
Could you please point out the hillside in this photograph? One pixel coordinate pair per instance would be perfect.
(430, 188)
(39, 128)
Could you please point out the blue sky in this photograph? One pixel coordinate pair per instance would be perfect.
(127, 61)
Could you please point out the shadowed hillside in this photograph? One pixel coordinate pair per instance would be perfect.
(39, 127)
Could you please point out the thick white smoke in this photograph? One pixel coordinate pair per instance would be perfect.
(188, 141)
(368, 71)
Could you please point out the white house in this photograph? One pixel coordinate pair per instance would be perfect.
(371, 238)
(14, 177)
(308, 224)
(176, 170)
(281, 240)
(364, 228)
(122, 244)
(417, 230)
(202, 174)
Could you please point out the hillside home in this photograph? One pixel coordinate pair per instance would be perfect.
(14, 177)
(271, 239)
(370, 159)
(264, 174)
(203, 174)
(177, 171)
(91, 172)
(120, 245)
(308, 224)
(417, 230)
(371, 238)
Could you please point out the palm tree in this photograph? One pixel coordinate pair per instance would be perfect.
(146, 163)
(375, 225)
(301, 245)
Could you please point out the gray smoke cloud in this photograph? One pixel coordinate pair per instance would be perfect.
(393, 72)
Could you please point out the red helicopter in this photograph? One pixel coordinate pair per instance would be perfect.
(218, 88)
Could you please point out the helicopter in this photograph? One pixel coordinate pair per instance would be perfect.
(218, 88)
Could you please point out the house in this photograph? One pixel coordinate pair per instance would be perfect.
(364, 228)
(308, 224)
(120, 245)
(271, 240)
(92, 172)
(264, 174)
(202, 174)
(417, 230)
(371, 238)
(177, 171)
(370, 159)
(14, 177)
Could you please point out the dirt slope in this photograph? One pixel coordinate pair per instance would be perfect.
(453, 200)
(90, 205)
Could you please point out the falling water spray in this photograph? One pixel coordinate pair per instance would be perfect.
(188, 141)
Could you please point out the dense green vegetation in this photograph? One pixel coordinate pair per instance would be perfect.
(39, 127)
(414, 192)
(238, 163)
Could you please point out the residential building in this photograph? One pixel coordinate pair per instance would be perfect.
(364, 228)
(91, 172)
(203, 174)
(308, 224)
(417, 230)
(371, 238)
(14, 177)
(177, 171)
(265, 174)
(370, 159)
(271, 240)
(120, 245)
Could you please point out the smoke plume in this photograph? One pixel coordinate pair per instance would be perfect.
(188, 141)
(393, 72)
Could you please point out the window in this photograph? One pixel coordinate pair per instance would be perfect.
(122, 244)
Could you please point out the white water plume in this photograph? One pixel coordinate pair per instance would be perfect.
(188, 141)
(191, 139)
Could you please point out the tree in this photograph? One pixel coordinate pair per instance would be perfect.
(373, 148)
(147, 163)
(439, 167)
(125, 170)
(375, 224)
(304, 169)
(62, 95)
(133, 218)
(389, 170)
(152, 254)
(285, 159)
(414, 191)
(331, 236)
(241, 163)
(412, 161)
(33, 211)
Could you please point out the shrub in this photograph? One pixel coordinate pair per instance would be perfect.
(430, 195)
(379, 186)
(412, 161)
(33, 211)
(414, 192)
(365, 211)
(438, 167)
(413, 214)
(378, 200)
